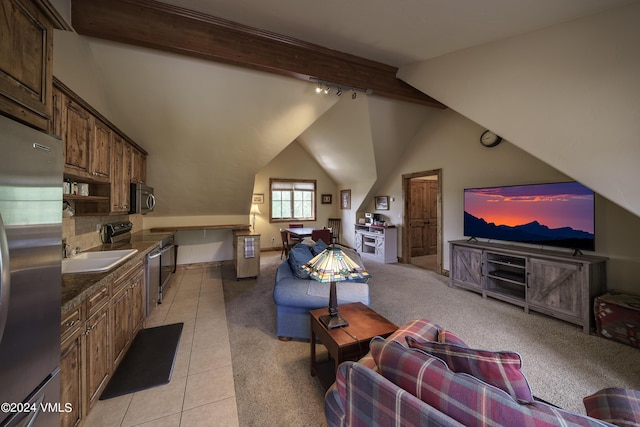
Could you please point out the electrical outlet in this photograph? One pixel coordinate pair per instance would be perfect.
(273, 241)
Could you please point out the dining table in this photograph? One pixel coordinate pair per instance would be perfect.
(299, 233)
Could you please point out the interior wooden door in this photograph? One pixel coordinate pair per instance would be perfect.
(423, 221)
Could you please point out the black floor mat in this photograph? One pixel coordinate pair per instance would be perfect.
(148, 362)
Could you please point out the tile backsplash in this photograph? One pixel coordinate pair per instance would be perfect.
(82, 231)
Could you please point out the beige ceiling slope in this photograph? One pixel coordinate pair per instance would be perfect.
(359, 141)
(568, 94)
(208, 127)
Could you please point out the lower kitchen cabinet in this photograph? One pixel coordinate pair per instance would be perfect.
(139, 303)
(92, 349)
(128, 311)
(97, 364)
(72, 348)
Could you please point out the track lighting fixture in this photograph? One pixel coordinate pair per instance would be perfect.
(339, 88)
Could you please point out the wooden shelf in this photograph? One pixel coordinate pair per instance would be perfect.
(85, 198)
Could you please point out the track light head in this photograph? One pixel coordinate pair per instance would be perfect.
(326, 87)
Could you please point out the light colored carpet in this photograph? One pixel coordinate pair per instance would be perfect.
(273, 385)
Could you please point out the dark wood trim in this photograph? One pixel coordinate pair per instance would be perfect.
(173, 29)
(406, 195)
(59, 23)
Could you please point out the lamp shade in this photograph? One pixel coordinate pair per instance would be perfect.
(333, 265)
(255, 210)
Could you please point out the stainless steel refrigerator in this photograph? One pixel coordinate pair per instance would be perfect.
(30, 275)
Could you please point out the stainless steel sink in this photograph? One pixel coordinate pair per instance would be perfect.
(92, 262)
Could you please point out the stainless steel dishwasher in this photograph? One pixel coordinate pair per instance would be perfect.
(153, 279)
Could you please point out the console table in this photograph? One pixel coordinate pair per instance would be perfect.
(380, 243)
(346, 343)
(549, 282)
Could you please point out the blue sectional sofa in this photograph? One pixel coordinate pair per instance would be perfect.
(295, 293)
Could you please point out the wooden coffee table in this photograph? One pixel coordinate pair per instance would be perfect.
(347, 343)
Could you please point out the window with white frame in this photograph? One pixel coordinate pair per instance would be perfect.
(293, 200)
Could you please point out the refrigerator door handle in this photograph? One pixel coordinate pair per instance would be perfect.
(5, 278)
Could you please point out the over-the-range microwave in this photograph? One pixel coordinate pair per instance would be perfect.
(142, 199)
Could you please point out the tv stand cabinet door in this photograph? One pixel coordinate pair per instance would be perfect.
(556, 288)
(466, 267)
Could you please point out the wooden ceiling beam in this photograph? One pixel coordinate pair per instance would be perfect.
(169, 28)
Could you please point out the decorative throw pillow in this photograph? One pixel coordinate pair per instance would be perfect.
(617, 406)
(450, 338)
(308, 241)
(298, 256)
(318, 247)
(501, 369)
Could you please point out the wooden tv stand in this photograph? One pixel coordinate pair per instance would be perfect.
(555, 283)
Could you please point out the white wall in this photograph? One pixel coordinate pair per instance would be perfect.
(450, 142)
(568, 94)
(293, 163)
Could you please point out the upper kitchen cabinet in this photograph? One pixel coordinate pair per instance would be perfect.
(95, 152)
(26, 45)
(100, 152)
(120, 175)
(138, 166)
(76, 134)
(87, 143)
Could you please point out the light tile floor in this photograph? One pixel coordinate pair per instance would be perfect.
(201, 390)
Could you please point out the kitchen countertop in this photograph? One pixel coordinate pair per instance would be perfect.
(76, 287)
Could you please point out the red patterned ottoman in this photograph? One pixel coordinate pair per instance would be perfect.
(618, 317)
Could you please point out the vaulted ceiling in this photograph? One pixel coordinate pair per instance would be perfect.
(218, 88)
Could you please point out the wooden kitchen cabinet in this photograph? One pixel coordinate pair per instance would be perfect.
(76, 135)
(139, 301)
(138, 166)
(71, 377)
(92, 349)
(95, 152)
(26, 61)
(120, 175)
(121, 326)
(87, 143)
(100, 151)
(55, 125)
(126, 307)
(97, 362)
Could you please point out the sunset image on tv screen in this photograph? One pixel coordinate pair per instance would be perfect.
(558, 214)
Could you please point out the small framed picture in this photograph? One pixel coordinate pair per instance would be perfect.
(345, 199)
(326, 199)
(382, 203)
(258, 199)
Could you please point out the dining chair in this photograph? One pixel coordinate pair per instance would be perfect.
(335, 224)
(286, 246)
(295, 225)
(323, 234)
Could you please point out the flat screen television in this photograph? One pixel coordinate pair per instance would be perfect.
(558, 214)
